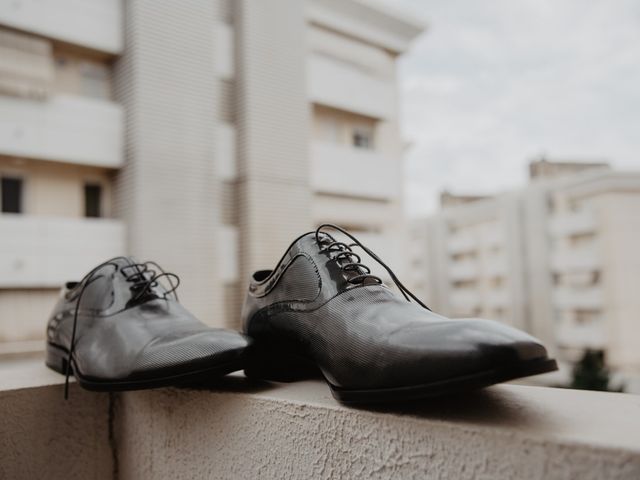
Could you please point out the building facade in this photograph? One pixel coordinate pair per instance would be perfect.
(61, 143)
(204, 138)
(557, 258)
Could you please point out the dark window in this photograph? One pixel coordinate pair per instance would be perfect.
(92, 200)
(11, 195)
(363, 138)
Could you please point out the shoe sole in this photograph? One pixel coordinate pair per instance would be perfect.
(267, 366)
(56, 359)
(446, 387)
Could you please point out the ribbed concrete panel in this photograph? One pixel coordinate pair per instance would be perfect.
(225, 11)
(167, 191)
(272, 129)
(226, 101)
(229, 203)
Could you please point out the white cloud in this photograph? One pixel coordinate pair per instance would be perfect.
(492, 84)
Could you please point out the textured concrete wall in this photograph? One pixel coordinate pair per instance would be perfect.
(42, 436)
(265, 431)
(298, 431)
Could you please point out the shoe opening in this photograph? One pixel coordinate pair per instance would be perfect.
(261, 275)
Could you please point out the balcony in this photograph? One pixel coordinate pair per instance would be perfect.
(337, 169)
(584, 298)
(493, 237)
(228, 254)
(498, 298)
(241, 429)
(45, 252)
(463, 270)
(462, 243)
(464, 301)
(225, 64)
(337, 84)
(574, 223)
(583, 258)
(96, 24)
(226, 158)
(574, 335)
(496, 266)
(64, 128)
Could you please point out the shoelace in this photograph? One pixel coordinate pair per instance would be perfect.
(143, 280)
(346, 256)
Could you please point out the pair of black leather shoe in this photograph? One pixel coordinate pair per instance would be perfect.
(319, 312)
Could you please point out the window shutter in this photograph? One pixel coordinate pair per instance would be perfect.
(26, 65)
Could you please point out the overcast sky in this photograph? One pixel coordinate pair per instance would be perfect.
(495, 83)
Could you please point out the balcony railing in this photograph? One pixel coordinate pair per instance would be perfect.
(96, 24)
(462, 243)
(583, 298)
(338, 169)
(498, 298)
(64, 128)
(464, 300)
(45, 252)
(339, 85)
(228, 254)
(583, 258)
(497, 266)
(463, 270)
(574, 223)
(574, 335)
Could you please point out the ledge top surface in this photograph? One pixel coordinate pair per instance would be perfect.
(596, 419)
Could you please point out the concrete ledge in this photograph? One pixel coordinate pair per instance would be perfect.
(239, 429)
(299, 431)
(44, 436)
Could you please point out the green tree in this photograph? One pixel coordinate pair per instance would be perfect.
(591, 373)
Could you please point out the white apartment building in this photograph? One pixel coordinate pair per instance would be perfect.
(204, 138)
(61, 141)
(558, 258)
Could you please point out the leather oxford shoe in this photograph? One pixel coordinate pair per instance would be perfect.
(322, 311)
(121, 329)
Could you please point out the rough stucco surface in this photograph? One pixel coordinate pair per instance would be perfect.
(297, 431)
(238, 429)
(44, 436)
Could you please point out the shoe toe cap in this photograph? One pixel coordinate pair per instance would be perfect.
(203, 349)
(454, 348)
(499, 341)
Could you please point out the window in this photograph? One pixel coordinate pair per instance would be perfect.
(585, 317)
(363, 138)
(79, 75)
(11, 188)
(92, 200)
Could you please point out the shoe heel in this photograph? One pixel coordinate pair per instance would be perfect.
(268, 363)
(56, 359)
